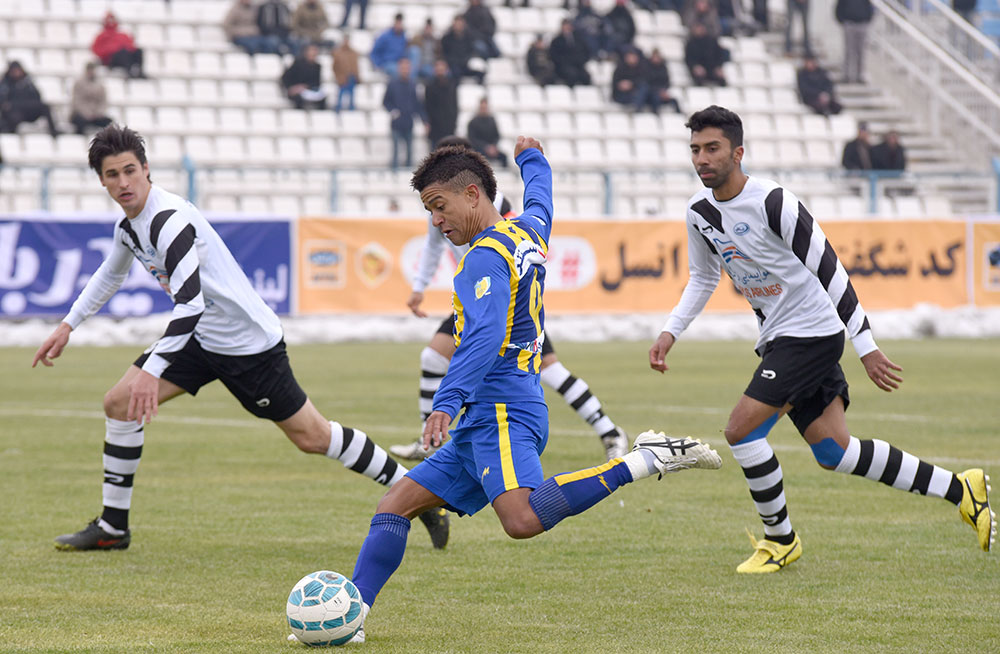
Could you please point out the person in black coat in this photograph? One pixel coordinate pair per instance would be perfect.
(889, 154)
(628, 83)
(816, 88)
(20, 101)
(620, 26)
(441, 101)
(858, 153)
(403, 105)
(484, 134)
(457, 47)
(704, 58)
(479, 19)
(539, 63)
(569, 55)
(302, 82)
(658, 78)
(854, 16)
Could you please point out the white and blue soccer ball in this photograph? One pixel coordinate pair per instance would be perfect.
(324, 608)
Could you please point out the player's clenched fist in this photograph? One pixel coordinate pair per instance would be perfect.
(525, 142)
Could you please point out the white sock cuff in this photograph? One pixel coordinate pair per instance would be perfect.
(555, 375)
(849, 461)
(336, 440)
(753, 453)
(433, 361)
(124, 433)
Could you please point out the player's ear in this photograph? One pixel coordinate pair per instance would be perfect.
(738, 154)
(472, 194)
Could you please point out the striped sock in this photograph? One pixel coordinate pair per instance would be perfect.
(764, 477)
(577, 394)
(122, 449)
(356, 451)
(877, 460)
(433, 366)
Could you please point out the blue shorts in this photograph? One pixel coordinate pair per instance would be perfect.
(494, 448)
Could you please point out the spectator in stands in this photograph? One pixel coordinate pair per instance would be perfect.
(425, 50)
(240, 27)
(889, 154)
(730, 16)
(346, 73)
(117, 49)
(484, 134)
(854, 15)
(704, 58)
(441, 101)
(816, 88)
(89, 103)
(628, 84)
(858, 153)
(591, 28)
(621, 27)
(966, 9)
(539, 63)
(800, 7)
(569, 56)
(274, 22)
(703, 12)
(390, 47)
(658, 78)
(403, 105)
(309, 23)
(302, 80)
(458, 47)
(20, 101)
(481, 24)
(362, 8)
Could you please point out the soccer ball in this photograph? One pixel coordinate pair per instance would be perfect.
(324, 608)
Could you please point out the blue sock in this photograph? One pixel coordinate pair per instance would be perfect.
(381, 554)
(571, 493)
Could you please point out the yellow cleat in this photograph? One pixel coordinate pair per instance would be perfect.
(770, 556)
(975, 506)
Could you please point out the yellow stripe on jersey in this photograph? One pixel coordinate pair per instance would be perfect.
(506, 458)
(587, 472)
(502, 250)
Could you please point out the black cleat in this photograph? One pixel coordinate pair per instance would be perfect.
(436, 521)
(92, 537)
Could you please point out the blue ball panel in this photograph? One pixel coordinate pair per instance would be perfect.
(353, 612)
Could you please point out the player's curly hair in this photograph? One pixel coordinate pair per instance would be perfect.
(115, 139)
(455, 167)
(715, 116)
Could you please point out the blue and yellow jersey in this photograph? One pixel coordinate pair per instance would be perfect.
(499, 317)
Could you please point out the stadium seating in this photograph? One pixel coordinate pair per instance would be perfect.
(222, 110)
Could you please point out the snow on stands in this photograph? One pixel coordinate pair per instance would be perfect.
(922, 322)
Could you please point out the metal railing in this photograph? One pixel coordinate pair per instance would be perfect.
(956, 36)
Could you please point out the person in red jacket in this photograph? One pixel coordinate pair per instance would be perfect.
(117, 49)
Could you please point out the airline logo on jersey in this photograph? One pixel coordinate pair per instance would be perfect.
(483, 287)
(527, 254)
(729, 251)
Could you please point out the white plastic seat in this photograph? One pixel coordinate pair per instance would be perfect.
(352, 150)
(264, 121)
(71, 149)
(588, 122)
(292, 151)
(140, 118)
(233, 120)
(648, 151)
(560, 97)
(166, 151)
(531, 97)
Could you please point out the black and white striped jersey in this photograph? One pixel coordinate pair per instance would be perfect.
(779, 259)
(213, 299)
(434, 245)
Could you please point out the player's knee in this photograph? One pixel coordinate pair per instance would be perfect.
(116, 404)
(522, 526)
(310, 441)
(827, 452)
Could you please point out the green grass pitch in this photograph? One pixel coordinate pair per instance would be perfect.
(227, 515)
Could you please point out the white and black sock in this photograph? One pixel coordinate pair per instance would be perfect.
(877, 460)
(122, 449)
(433, 366)
(577, 394)
(765, 479)
(357, 452)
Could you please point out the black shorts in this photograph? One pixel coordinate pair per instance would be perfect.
(263, 383)
(448, 327)
(803, 372)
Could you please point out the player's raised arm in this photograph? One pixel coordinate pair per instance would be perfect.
(537, 176)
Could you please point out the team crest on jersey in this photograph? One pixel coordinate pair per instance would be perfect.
(729, 251)
(741, 228)
(526, 254)
(483, 287)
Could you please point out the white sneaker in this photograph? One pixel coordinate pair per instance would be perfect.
(615, 445)
(412, 452)
(675, 454)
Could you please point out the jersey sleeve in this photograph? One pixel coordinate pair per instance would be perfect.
(177, 237)
(105, 281)
(537, 176)
(483, 289)
(703, 278)
(793, 224)
(430, 255)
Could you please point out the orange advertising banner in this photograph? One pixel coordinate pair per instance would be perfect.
(348, 265)
(986, 264)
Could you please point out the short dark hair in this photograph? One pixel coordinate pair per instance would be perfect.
(456, 167)
(715, 116)
(459, 141)
(115, 139)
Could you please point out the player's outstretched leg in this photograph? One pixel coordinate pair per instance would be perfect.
(576, 393)
(654, 453)
(123, 442)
